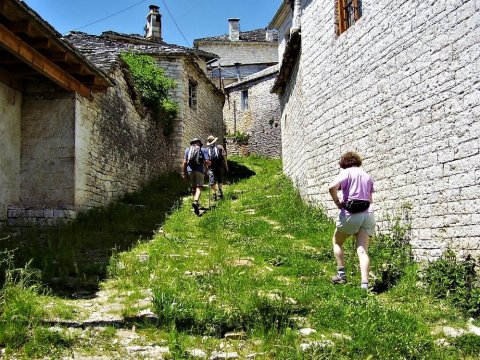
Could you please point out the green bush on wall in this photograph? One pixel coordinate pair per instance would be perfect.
(239, 137)
(154, 86)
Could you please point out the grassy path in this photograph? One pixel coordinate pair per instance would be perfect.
(249, 279)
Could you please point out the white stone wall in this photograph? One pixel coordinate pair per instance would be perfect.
(241, 52)
(261, 120)
(10, 128)
(401, 87)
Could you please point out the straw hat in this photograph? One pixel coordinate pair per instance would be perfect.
(194, 140)
(211, 140)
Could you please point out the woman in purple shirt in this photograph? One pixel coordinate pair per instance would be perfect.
(356, 214)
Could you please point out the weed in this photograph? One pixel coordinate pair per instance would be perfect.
(20, 308)
(391, 254)
(455, 280)
(468, 345)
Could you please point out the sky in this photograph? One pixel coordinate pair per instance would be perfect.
(182, 20)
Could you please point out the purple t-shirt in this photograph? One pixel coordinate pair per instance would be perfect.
(356, 184)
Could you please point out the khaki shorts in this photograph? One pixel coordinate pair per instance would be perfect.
(351, 224)
(196, 178)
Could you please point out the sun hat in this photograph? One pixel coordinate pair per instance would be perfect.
(194, 140)
(211, 140)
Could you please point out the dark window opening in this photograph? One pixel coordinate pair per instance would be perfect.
(192, 95)
(244, 103)
(348, 12)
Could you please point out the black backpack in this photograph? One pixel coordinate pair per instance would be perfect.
(195, 155)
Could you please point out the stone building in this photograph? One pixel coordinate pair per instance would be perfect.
(200, 101)
(76, 135)
(399, 83)
(251, 109)
(239, 53)
(246, 68)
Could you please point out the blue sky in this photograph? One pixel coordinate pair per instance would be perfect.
(195, 18)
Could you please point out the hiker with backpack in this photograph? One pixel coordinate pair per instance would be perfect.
(356, 214)
(195, 162)
(218, 166)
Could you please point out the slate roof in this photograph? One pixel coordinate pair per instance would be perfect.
(104, 50)
(258, 35)
(258, 75)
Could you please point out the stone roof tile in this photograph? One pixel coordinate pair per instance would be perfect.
(258, 35)
(104, 50)
(258, 75)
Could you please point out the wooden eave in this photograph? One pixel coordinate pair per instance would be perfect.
(289, 60)
(282, 13)
(30, 49)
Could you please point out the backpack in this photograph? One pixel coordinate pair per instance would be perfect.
(214, 154)
(195, 156)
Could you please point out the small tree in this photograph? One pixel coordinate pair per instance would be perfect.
(154, 86)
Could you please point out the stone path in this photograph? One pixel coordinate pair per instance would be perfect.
(102, 317)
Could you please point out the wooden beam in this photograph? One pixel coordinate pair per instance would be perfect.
(58, 56)
(42, 44)
(21, 27)
(341, 16)
(73, 68)
(40, 63)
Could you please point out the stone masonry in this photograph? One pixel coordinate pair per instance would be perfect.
(117, 148)
(261, 120)
(401, 87)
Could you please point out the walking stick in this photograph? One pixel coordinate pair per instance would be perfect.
(208, 196)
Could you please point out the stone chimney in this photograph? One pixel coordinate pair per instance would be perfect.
(234, 29)
(153, 29)
(269, 35)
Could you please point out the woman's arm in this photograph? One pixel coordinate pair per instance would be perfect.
(333, 189)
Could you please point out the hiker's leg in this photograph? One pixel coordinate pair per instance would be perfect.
(338, 240)
(211, 180)
(198, 192)
(362, 249)
(220, 181)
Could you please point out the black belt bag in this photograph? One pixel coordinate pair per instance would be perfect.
(356, 206)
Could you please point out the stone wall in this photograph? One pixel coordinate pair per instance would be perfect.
(206, 118)
(242, 52)
(118, 146)
(10, 129)
(401, 87)
(47, 155)
(261, 120)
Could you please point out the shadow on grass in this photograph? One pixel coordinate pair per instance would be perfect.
(72, 259)
(237, 172)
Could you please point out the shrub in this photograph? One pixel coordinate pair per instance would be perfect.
(455, 280)
(154, 86)
(239, 137)
(391, 253)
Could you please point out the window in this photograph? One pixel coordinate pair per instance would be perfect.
(348, 11)
(244, 103)
(192, 95)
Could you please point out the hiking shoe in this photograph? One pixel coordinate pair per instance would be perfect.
(196, 207)
(337, 279)
(220, 195)
(214, 197)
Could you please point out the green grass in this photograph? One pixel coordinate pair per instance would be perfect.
(259, 262)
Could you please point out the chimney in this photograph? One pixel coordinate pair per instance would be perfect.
(234, 29)
(269, 35)
(153, 29)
